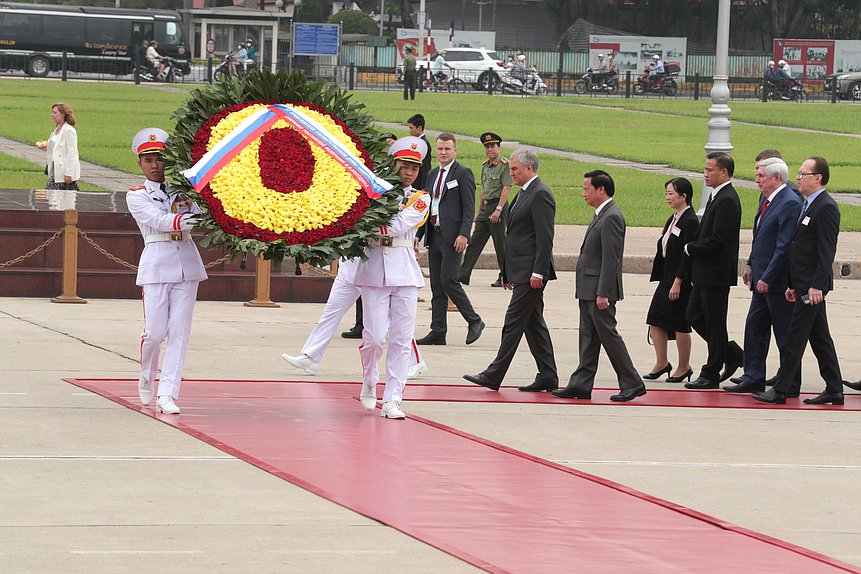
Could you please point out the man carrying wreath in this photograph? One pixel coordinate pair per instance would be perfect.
(390, 280)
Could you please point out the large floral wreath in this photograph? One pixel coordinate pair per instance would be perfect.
(282, 194)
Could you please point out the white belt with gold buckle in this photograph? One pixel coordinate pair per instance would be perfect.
(159, 237)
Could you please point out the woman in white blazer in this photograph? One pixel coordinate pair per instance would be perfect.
(63, 167)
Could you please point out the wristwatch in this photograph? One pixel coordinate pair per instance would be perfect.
(498, 208)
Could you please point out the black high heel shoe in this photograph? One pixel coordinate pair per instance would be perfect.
(682, 378)
(652, 376)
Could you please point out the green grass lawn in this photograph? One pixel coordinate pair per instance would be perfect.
(669, 132)
(19, 174)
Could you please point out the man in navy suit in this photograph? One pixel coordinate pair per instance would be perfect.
(527, 268)
(766, 272)
(446, 235)
(713, 260)
(811, 257)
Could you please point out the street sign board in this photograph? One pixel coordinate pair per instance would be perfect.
(316, 39)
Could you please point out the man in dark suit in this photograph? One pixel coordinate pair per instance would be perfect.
(416, 127)
(811, 256)
(766, 273)
(527, 268)
(446, 233)
(713, 260)
(598, 288)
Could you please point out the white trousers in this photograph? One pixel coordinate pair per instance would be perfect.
(342, 296)
(389, 310)
(168, 310)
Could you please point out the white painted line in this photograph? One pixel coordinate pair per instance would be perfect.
(89, 552)
(709, 464)
(110, 457)
(14, 393)
(340, 552)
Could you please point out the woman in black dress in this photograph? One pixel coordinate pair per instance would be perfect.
(666, 318)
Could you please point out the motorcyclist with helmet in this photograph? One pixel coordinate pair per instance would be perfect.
(241, 58)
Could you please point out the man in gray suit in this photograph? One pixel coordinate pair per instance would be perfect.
(527, 268)
(598, 287)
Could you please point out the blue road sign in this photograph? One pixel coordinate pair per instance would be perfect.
(316, 39)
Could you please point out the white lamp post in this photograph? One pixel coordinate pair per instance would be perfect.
(719, 124)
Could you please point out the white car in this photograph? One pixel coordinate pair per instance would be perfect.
(472, 65)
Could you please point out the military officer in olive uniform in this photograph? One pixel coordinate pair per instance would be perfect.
(492, 211)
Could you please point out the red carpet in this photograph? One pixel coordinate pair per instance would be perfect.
(494, 507)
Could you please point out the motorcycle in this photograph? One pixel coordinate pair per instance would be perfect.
(512, 82)
(609, 84)
(780, 90)
(172, 73)
(225, 68)
(662, 83)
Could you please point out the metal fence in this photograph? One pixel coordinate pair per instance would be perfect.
(386, 77)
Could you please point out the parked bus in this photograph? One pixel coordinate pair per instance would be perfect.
(33, 38)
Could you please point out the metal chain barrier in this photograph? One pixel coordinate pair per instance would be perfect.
(101, 250)
(32, 252)
(116, 259)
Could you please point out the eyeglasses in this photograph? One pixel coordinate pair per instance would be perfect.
(801, 174)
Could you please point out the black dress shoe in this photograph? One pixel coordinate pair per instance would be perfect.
(687, 376)
(652, 376)
(354, 333)
(825, 398)
(733, 363)
(736, 380)
(538, 386)
(770, 382)
(483, 380)
(853, 386)
(432, 338)
(474, 332)
(702, 383)
(571, 393)
(770, 396)
(629, 394)
(497, 283)
(745, 387)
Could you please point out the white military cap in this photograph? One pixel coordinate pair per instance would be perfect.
(149, 140)
(409, 148)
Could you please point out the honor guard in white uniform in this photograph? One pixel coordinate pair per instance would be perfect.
(390, 280)
(342, 296)
(169, 271)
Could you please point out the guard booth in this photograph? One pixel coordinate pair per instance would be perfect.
(228, 26)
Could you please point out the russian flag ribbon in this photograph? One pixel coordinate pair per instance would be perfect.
(255, 125)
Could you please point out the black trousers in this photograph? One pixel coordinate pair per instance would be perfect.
(444, 265)
(410, 84)
(483, 231)
(525, 315)
(809, 323)
(768, 312)
(707, 311)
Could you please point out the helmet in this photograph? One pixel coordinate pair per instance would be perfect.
(656, 57)
(153, 43)
(771, 63)
(240, 46)
(781, 63)
(521, 57)
(600, 55)
(249, 40)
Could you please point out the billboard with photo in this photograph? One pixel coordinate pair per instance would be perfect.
(634, 53)
(810, 61)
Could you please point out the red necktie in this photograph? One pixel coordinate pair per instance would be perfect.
(436, 193)
(762, 211)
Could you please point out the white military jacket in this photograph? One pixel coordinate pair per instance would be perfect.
(396, 265)
(169, 255)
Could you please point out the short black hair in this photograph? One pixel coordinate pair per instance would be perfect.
(601, 178)
(821, 167)
(682, 187)
(723, 160)
(417, 120)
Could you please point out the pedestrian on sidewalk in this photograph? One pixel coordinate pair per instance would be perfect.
(62, 167)
(170, 269)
